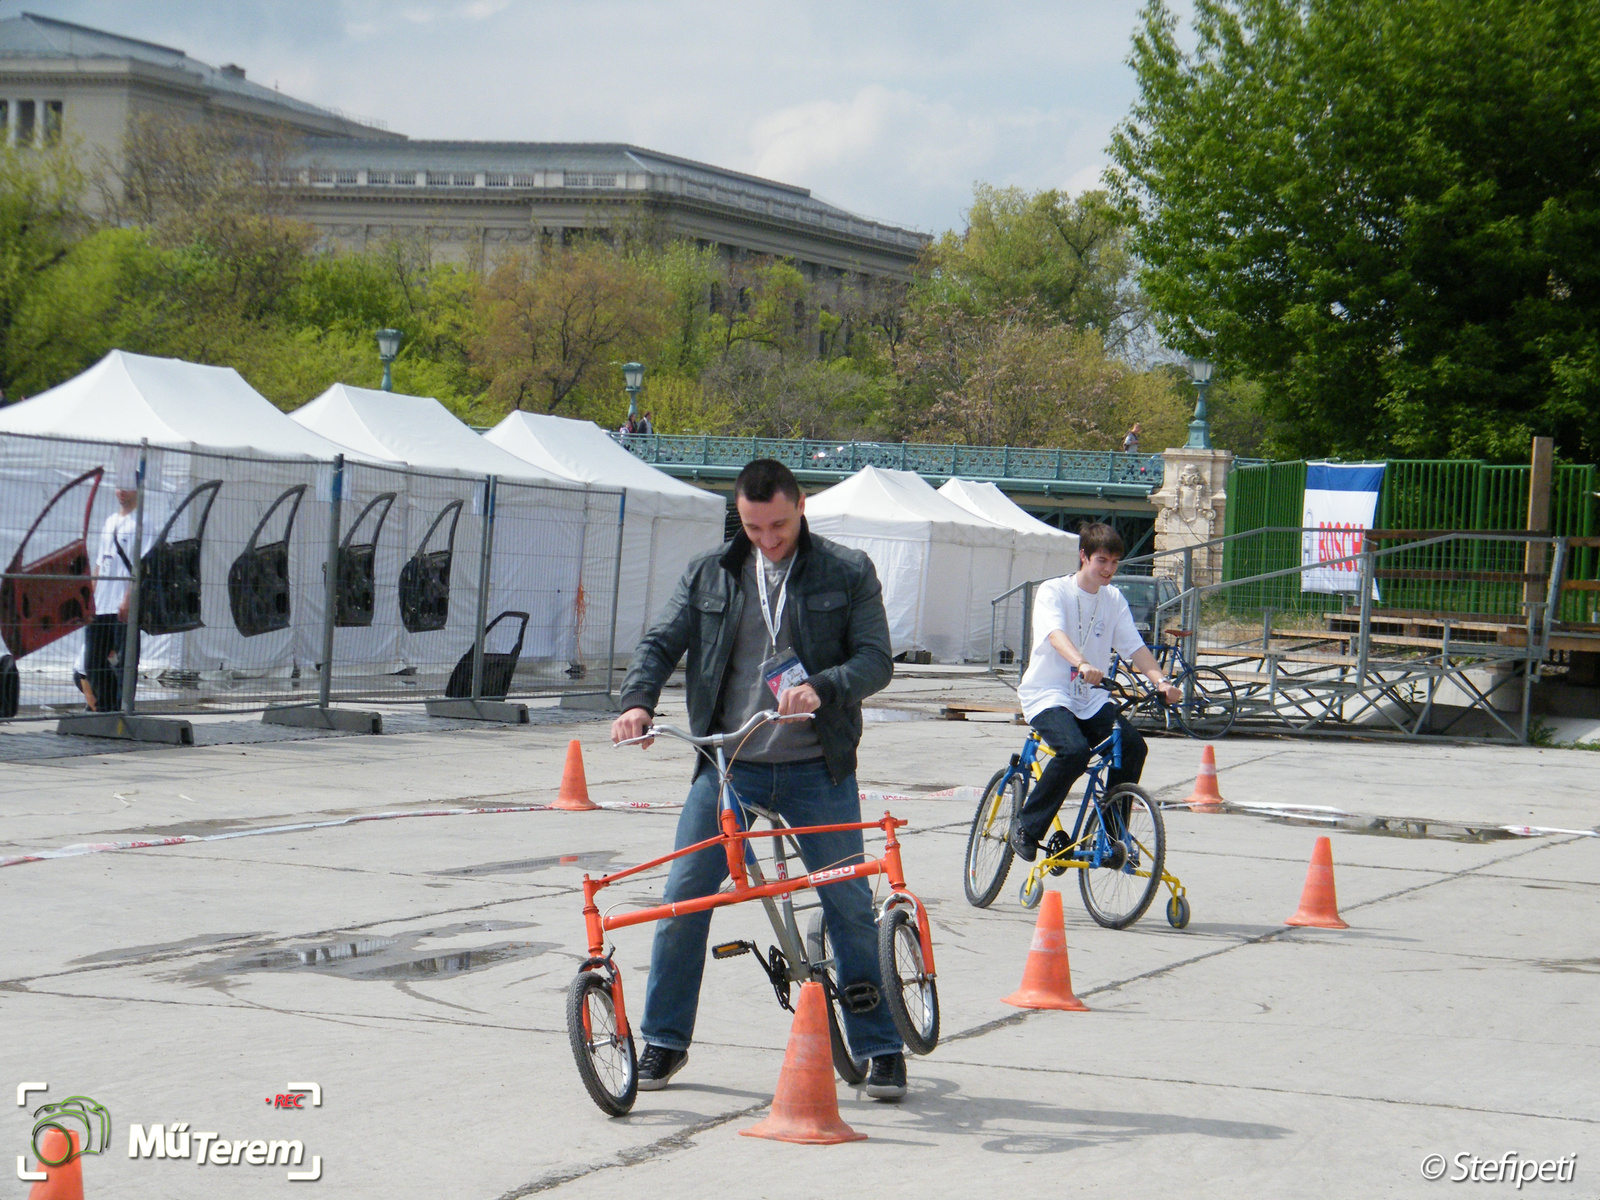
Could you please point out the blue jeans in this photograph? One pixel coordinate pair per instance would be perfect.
(805, 795)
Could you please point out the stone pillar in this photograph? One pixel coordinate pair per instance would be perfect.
(1189, 510)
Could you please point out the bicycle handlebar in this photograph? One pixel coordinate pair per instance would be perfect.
(716, 739)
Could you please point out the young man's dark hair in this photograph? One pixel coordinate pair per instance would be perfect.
(764, 478)
(1094, 538)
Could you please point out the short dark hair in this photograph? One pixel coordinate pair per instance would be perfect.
(764, 478)
(1096, 537)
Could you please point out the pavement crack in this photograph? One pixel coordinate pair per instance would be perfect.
(634, 1156)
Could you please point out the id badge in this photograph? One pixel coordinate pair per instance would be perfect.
(785, 672)
(1077, 688)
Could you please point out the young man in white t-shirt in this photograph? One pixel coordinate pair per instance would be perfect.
(1078, 620)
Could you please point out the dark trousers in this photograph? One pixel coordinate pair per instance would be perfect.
(1074, 739)
(107, 638)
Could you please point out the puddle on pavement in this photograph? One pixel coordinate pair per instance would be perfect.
(874, 714)
(1580, 966)
(395, 959)
(1398, 827)
(590, 861)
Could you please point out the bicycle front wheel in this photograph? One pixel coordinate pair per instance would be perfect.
(1209, 711)
(989, 845)
(1133, 852)
(606, 1060)
(908, 989)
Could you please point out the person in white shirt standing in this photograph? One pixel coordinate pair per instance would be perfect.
(106, 638)
(1078, 620)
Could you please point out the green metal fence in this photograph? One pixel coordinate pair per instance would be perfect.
(1466, 577)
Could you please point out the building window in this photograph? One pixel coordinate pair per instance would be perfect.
(25, 122)
(377, 179)
(575, 179)
(52, 122)
(603, 181)
(345, 176)
(496, 179)
(405, 179)
(523, 181)
(465, 178)
(321, 175)
(439, 178)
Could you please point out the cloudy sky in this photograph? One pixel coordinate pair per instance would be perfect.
(892, 109)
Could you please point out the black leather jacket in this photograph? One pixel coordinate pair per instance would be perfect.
(841, 634)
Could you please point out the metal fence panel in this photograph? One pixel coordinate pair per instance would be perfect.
(228, 562)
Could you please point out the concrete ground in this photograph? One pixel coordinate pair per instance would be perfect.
(194, 983)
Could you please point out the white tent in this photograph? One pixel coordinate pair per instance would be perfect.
(223, 466)
(939, 564)
(543, 529)
(1042, 551)
(667, 522)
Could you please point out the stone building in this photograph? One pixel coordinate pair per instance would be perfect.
(359, 182)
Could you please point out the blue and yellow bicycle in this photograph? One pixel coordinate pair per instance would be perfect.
(1117, 844)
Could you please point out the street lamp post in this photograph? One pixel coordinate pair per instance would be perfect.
(632, 382)
(388, 349)
(1200, 427)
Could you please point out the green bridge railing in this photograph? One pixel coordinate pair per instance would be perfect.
(715, 457)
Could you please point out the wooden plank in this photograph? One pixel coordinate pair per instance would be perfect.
(1581, 585)
(957, 710)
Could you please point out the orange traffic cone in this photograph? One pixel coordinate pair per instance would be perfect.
(805, 1108)
(1206, 797)
(574, 795)
(1047, 977)
(1319, 907)
(66, 1181)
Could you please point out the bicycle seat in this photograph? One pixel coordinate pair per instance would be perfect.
(1180, 633)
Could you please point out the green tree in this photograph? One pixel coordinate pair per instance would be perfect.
(40, 220)
(1385, 212)
(1057, 256)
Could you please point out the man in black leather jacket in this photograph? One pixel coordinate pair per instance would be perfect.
(778, 619)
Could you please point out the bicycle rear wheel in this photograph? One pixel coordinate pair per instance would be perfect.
(908, 989)
(1118, 892)
(1210, 710)
(606, 1061)
(851, 1069)
(988, 845)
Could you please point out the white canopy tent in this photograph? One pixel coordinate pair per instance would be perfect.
(1042, 551)
(541, 529)
(939, 564)
(667, 522)
(223, 466)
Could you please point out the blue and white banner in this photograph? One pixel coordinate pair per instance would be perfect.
(1341, 503)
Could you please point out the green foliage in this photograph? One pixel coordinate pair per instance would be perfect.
(39, 222)
(1385, 212)
(1045, 251)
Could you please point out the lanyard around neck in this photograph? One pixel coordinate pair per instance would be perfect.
(773, 616)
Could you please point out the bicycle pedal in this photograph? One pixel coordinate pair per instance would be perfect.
(859, 998)
(732, 949)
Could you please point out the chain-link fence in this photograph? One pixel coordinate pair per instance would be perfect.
(150, 580)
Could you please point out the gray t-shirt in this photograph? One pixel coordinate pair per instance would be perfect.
(745, 690)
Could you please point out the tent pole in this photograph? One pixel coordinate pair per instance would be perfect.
(130, 631)
(616, 591)
(485, 553)
(330, 572)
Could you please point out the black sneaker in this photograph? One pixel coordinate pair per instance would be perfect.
(657, 1065)
(888, 1078)
(1023, 846)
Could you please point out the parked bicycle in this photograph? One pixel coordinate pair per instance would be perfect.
(1209, 705)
